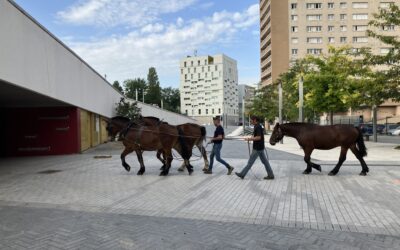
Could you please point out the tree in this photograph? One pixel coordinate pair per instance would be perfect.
(131, 85)
(127, 109)
(171, 99)
(118, 87)
(153, 94)
(265, 103)
(326, 82)
(387, 67)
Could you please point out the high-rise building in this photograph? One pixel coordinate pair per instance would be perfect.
(292, 29)
(209, 87)
(274, 39)
(246, 95)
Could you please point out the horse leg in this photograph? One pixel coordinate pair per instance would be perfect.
(357, 153)
(307, 159)
(168, 159)
(123, 155)
(142, 169)
(188, 166)
(204, 154)
(159, 152)
(342, 158)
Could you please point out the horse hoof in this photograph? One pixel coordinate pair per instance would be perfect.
(163, 167)
(140, 172)
(180, 169)
(332, 173)
(318, 167)
(306, 172)
(128, 168)
(190, 172)
(363, 173)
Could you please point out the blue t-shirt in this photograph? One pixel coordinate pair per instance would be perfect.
(218, 131)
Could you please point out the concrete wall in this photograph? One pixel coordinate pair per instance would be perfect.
(167, 116)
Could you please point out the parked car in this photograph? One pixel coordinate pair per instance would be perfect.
(395, 131)
(366, 129)
(390, 128)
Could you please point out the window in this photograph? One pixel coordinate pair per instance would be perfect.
(314, 28)
(343, 17)
(385, 5)
(295, 40)
(314, 6)
(191, 63)
(343, 28)
(314, 39)
(331, 39)
(388, 27)
(185, 77)
(385, 50)
(314, 17)
(191, 76)
(343, 5)
(331, 17)
(295, 29)
(216, 67)
(219, 111)
(202, 69)
(294, 51)
(360, 39)
(198, 75)
(212, 110)
(293, 6)
(360, 5)
(184, 64)
(331, 28)
(205, 62)
(194, 70)
(206, 111)
(360, 27)
(343, 39)
(295, 17)
(199, 111)
(314, 51)
(360, 16)
(331, 5)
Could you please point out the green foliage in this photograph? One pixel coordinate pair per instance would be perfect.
(131, 85)
(118, 87)
(171, 99)
(127, 109)
(153, 94)
(265, 103)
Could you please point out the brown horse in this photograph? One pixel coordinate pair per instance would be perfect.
(193, 134)
(311, 136)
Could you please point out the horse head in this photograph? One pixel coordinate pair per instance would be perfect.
(277, 135)
(115, 125)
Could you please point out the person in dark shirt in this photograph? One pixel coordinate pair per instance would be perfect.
(216, 150)
(258, 151)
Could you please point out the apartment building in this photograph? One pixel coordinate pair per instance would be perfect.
(313, 26)
(209, 87)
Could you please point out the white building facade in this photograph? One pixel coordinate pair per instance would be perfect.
(209, 87)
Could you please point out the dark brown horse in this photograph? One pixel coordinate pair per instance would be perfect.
(311, 136)
(193, 134)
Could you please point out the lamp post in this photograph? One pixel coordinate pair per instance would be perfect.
(301, 117)
(386, 125)
(280, 104)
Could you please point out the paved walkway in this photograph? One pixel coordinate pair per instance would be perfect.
(77, 200)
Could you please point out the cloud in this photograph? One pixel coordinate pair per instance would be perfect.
(110, 13)
(162, 46)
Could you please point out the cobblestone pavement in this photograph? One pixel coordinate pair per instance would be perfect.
(78, 201)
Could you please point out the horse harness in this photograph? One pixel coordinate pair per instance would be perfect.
(140, 131)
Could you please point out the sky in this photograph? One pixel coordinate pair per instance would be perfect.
(123, 38)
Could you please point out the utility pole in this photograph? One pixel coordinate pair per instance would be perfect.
(136, 95)
(243, 105)
(301, 99)
(162, 104)
(374, 121)
(143, 95)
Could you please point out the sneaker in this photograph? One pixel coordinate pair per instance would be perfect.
(204, 169)
(239, 175)
(208, 172)
(230, 169)
(269, 177)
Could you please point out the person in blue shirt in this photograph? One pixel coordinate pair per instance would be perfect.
(216, 150)
(258, 151)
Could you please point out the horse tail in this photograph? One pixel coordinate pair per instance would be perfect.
(184, 149)
(203, 132)
(360, 143)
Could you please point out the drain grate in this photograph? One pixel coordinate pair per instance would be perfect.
(50, 171)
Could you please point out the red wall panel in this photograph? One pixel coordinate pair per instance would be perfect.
(39, 131)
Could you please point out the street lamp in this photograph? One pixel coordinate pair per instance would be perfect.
(387, 128)
(301, 99)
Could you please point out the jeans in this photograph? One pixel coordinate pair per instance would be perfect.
(253, 158)
(216, 151)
